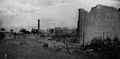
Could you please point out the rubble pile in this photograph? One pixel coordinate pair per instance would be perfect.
(107, 48)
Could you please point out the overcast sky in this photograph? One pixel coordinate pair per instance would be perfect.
(18, 14)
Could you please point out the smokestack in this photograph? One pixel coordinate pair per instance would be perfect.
(38, 25)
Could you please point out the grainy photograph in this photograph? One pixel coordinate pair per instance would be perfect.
(59, 29)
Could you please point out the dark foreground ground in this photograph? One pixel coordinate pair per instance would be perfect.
(32, 49)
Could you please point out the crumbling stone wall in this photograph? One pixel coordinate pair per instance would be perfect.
(82, 23)
(101, 21)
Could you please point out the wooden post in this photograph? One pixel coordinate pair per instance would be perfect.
(83, 38)
(103, 36)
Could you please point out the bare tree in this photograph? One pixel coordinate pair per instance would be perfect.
(3, 29)
(11, 30)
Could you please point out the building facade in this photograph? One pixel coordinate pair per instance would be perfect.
(101, 21)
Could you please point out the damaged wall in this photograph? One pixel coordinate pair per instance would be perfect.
(82, 23)
(101, 21)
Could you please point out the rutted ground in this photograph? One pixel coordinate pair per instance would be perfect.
(29, 48)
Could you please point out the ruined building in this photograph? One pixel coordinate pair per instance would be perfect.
(101, 21)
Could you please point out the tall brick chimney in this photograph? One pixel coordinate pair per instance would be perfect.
(38, 25)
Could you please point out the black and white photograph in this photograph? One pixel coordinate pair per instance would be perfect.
(59, 29)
